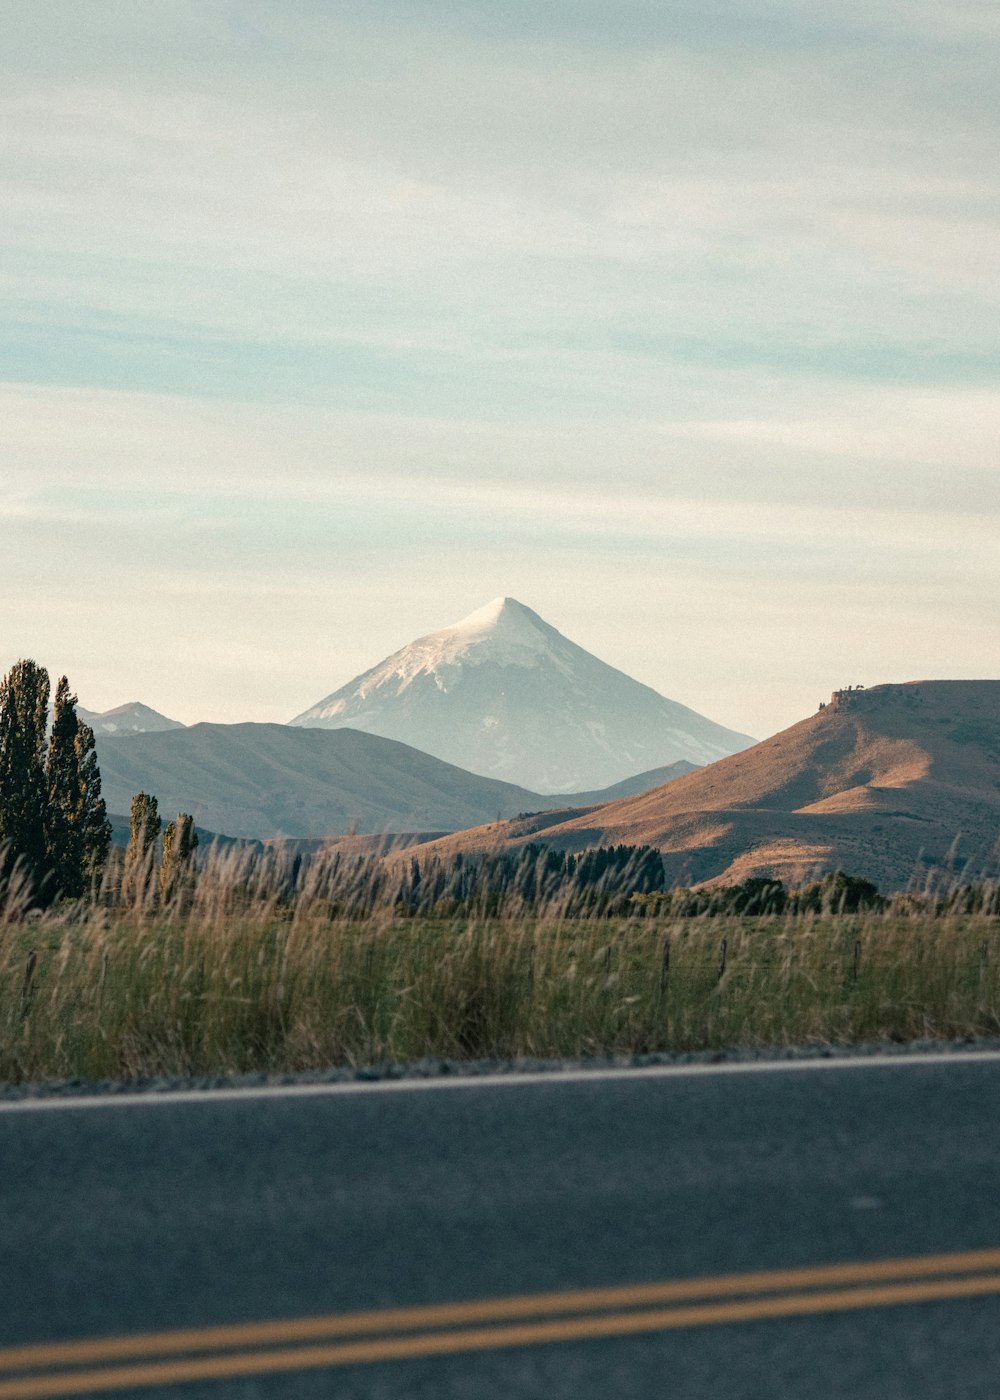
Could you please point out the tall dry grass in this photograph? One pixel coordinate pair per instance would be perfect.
(255, 967)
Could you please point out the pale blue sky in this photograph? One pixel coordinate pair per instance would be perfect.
(322, 325)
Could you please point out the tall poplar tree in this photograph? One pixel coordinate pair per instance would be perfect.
(24, 704)
(145, 828)
(95, 827)
(65, 798)
(179, 842)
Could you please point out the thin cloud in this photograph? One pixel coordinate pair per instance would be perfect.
(374, 312)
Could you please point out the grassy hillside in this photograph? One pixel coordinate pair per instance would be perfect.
(888, 783)
(240, 974)
(161, 997)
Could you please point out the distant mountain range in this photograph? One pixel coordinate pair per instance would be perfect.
(893, 783)
(503, 694)
(261, 781)
(896, 783)
(133, 718)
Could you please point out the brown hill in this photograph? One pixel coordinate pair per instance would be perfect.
(891, 783)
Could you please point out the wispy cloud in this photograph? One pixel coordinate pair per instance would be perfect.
(681, 312)
(194, 532)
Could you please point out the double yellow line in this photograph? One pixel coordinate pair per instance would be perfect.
(395, 1334)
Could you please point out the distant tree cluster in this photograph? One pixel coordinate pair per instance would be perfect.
(978, 897)
(53, 821)
(835, 893)
(533, 877)
(172, 883)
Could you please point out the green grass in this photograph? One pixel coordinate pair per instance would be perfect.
(233, 984)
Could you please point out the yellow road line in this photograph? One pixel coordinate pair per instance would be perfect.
(489, 1338)
(385, 1320)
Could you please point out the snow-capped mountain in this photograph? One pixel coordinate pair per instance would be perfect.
(132, 718)
(504, 694)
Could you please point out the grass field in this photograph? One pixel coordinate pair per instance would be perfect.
(228, 979)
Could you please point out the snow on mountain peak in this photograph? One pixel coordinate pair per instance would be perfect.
(504, 618)
(502, 692)
(489, 617)
(503, 632)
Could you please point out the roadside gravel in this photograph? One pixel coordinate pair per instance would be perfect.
(438, 1069)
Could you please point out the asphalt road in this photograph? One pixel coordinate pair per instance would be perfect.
(125, 1219)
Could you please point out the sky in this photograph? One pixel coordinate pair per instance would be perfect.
(321, 325)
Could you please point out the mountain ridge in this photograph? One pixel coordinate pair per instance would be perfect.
(892, 783)
(270, 781)
(131, 718)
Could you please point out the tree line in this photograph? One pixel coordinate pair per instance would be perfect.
(141, 881)
(53, 822)
(54, 827)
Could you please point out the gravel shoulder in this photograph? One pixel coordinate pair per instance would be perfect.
(433, 1069)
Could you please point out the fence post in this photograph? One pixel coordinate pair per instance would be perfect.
(857, 957)
(665, 966)
(722, 957)
(27, 990)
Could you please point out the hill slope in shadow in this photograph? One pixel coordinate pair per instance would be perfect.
(266, 781)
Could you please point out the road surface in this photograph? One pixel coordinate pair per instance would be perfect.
(802, 1231)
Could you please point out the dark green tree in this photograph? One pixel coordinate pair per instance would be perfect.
(95, 827)
(179, 842)
(145, 828)
(64, 799)
(838, 893)
(24, 704)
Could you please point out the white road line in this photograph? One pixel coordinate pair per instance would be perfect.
(156, 1098)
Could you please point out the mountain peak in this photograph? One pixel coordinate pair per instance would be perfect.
(503, 693)
(500, 610)
(131, 718)
(502, 620)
